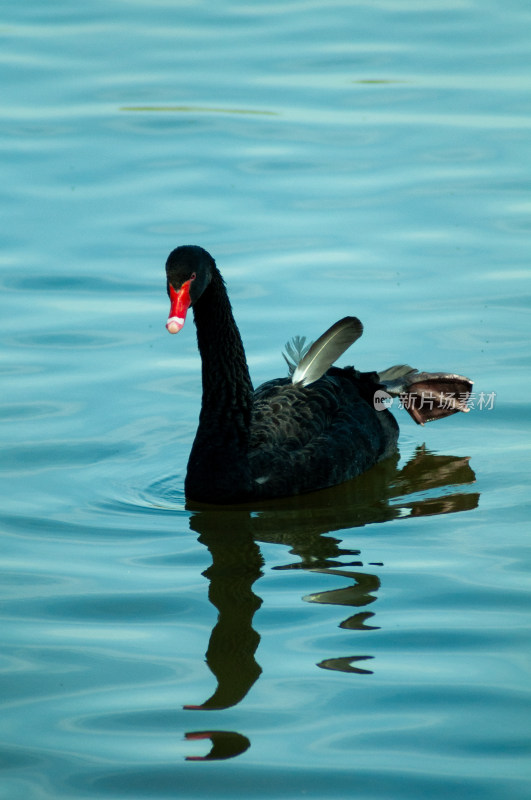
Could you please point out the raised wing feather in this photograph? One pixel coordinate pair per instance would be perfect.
(327, 349)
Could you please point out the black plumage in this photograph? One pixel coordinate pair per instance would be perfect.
(285, 438)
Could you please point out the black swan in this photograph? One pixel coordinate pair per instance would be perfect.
(315, 429)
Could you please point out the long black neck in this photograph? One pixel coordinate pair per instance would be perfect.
(218, 460)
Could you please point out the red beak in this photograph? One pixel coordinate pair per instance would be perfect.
(180, 303)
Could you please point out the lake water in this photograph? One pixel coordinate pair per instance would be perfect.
(369, 158)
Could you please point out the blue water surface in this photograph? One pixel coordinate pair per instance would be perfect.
(370, 641)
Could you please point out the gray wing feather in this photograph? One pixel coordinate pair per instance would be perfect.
(327, 349)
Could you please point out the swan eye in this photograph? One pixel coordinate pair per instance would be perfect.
(193, 276)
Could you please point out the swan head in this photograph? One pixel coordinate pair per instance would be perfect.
(189, 271)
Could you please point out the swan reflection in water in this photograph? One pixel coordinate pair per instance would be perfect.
(428, 484)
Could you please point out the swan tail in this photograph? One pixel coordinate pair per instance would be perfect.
(427, 396)
(316, 358)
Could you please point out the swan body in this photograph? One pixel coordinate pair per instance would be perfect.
(297, 434)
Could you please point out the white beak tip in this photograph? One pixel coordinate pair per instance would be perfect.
(174, 324)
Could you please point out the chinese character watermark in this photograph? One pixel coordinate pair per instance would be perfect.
(481, 401)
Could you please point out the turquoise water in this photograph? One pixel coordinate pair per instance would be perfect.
(371, 641)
